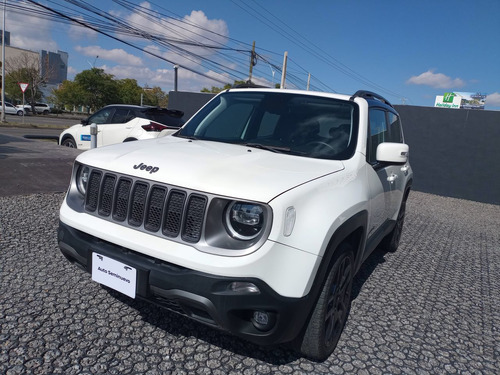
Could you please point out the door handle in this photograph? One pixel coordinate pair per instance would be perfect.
(392, 177)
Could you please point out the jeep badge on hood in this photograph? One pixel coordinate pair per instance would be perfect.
(147, 168)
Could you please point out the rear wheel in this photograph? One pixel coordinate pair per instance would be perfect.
(332, 308)
(68, 142)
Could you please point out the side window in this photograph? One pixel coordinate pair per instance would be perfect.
(378, 132)
(101, 117)
(395, 133)
(121, 116)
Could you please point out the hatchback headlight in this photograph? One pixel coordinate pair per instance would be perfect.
(244, 220)
(82, 178)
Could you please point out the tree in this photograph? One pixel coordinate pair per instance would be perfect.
(68, 95)
(155, 97)
(216, 90)
(96, 88)
(129, 91)
(25, 68)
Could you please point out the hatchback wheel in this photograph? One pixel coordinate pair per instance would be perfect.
(68, 142)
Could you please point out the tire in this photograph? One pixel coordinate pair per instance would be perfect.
(19, 113)
(45, 112)
(332, 308)
(390, 243)
(68, 142)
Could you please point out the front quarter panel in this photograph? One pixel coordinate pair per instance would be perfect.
(321, 206)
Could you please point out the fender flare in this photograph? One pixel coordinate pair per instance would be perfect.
(352, 230)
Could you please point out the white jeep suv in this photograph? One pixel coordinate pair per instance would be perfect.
(253, 218)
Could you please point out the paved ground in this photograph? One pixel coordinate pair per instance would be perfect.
(32, 166)
(433, 307)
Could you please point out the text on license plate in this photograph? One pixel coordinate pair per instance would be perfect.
(114, 274)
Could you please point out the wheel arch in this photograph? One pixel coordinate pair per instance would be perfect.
(67, 136)
(353, 232)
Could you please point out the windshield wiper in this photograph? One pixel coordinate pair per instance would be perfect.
(267, 147)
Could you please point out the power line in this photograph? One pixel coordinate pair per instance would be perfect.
(96, 29)
(304, 43)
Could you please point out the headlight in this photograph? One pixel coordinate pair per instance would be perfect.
(82, 178)
(245, 220)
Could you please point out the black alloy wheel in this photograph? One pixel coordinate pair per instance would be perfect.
(330, 313)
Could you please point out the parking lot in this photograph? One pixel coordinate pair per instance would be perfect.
(433, 307)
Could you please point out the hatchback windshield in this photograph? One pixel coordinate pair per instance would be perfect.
(303, 125)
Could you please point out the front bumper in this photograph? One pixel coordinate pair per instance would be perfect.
(203, 297)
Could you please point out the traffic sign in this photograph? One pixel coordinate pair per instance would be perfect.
(23, 86)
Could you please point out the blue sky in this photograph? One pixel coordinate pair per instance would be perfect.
(408, 51)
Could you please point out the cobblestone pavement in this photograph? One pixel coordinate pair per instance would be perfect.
(433, 307)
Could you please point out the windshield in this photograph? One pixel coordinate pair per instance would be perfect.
(303, 125)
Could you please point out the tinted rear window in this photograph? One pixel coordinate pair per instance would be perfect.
(163, 117)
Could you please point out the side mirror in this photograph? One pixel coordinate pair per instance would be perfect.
(85, 121)
(388, 152)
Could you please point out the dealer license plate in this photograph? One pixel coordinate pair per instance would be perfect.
(114, 274)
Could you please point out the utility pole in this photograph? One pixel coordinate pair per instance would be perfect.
(253, 61)
(283, 73)
(308, 81)
(176, 68)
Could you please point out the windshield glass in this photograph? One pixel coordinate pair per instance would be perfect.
(303, 125)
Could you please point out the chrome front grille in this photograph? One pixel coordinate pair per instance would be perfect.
(154, 208)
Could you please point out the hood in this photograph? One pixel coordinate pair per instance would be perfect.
(213, 167)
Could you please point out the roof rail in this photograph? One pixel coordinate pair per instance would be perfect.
(370, 95)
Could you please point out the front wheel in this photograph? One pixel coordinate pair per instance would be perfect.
(20, 113)
(68, 142)
(332, 308)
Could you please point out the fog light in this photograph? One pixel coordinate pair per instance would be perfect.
(243, 287)
(263, 320)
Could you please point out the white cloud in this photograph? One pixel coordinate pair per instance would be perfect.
(493, 100)
(117, 55)
(29, 32)
(436, 80)
(79, 32)
(187, 34)
(71, 72)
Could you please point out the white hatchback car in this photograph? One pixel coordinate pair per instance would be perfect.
(119, 123)
(10, 109)
(40, 108)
